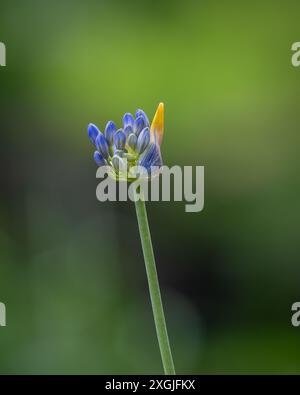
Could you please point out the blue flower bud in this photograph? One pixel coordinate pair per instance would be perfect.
(139, 125)
(151, 157)
(120, 139)
(143, 140)
(99, 159)
(128, 130)
(128, 120)
(93, 132)
(132, 140)
(141, 113)
(109, 131)
(102, 145)
(118, 163)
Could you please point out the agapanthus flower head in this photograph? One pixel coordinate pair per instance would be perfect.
(136, 143)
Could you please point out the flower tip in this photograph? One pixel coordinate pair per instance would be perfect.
(161, 106)
(157, 126)
(99, 159)
(93, 132)
(92, 126)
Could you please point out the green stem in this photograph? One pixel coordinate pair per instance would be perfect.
(157, 307)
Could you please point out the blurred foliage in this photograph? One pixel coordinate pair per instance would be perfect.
(71, 269)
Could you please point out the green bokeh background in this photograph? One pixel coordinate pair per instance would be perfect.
(71, 269)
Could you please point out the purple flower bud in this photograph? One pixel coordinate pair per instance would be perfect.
(143, 140)
(141, 113)
(93, 132)
(151, 157)
(132, 140)
(118, 163)
(99, 159)
(128, 130)
(102, 145)
(139, 125)
(109, 131)
(128, 120)
(120, 139)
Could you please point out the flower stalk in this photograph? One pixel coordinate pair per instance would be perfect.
(138, 145)
(155, 296)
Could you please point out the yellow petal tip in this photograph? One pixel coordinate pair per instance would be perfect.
(157, 126)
